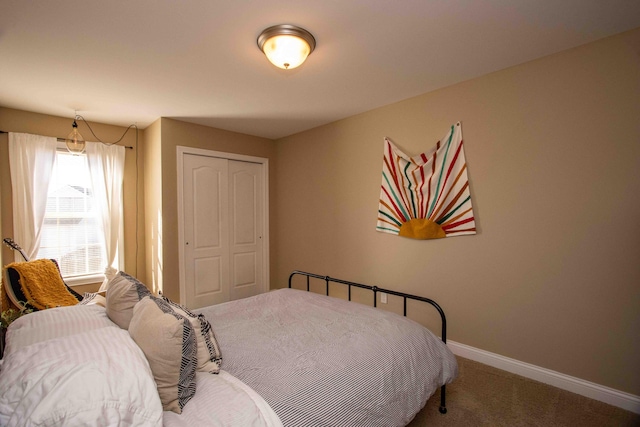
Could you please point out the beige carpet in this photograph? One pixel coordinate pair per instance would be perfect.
(485, 396)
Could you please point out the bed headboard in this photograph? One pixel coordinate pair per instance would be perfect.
(375, 290)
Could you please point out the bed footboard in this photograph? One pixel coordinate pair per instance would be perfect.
(375, 290)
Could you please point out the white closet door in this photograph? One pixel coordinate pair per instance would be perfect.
(206, 231)
(223, 221)
(245, 228)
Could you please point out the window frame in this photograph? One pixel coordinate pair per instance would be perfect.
(92, 278)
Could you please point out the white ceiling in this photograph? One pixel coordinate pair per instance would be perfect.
(133, 61)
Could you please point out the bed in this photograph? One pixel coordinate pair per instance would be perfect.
(289, 357)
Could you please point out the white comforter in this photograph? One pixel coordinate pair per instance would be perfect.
(72, 366)
(97, 377)
(223, 401)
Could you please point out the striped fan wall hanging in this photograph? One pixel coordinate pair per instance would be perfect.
(426, 196)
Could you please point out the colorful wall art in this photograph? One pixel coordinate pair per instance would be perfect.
(426, 196)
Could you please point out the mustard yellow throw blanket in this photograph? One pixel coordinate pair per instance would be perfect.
(41, 284)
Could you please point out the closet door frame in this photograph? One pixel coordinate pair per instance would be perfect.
(264, 162)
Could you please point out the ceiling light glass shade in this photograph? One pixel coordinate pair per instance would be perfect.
(75, 142)
(286, 46)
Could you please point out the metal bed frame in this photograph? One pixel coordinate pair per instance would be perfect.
(376, 289)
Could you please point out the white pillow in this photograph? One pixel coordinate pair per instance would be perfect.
(99, 377)
(54, 323)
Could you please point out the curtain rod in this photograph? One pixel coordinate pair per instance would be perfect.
(64, 139)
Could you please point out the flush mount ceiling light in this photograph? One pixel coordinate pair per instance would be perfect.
(286, 46)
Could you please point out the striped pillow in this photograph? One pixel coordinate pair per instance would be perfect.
(123, 292)
(168, 340)
(209, 355)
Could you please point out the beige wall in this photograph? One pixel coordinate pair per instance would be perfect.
(553, 150)
(152, 146)
(41, 124)
(175, 133)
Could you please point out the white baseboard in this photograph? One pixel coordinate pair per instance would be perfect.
(591, 390)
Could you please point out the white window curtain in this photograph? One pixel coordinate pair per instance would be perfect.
(106, 167)
(31, 160)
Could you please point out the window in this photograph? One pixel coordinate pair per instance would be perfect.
(68, 207)
(71, 232)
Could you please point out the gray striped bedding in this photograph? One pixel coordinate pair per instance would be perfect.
(322, 361)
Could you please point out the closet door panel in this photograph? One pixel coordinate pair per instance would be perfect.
(206, 230)
(246, 210)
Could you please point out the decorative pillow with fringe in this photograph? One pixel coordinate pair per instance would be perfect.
(208, 353)
(168, 341)
(91, 298)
